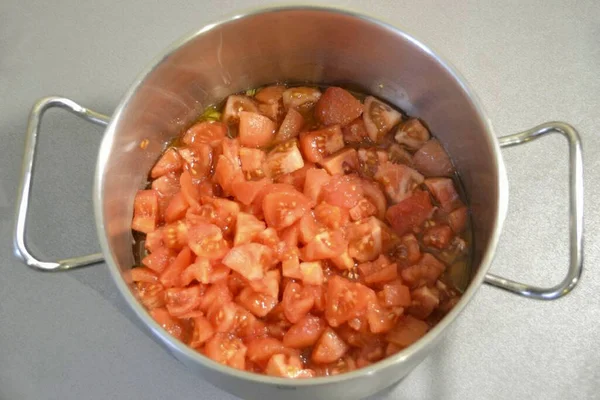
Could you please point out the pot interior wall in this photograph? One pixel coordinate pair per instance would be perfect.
(292, 46)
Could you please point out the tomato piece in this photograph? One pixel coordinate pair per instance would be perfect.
(270, 94)
(379, 118)
(198, 160)
(223, 316)
(167, 185)
(255, 130)
(221, 212)
(247, 228)
(290, 127)
(300, 98)
(378, 271)
(177, 208)
(365, 239)
(154, 240)
(343, 191)
(250, 260)
(205, 132)
(206, 240)
(227, 174)
(290, 264)
(247, 191)
(172, 325)
(175, 235)
(432, 160)
(345, 300)
(398, 180)
(395, 294)
(305, 332)
(316, 178)
(308, 228)
(355, 132)
(190, 189)
(181, 301)
(444, 192)
(424, 301)
(457, 219)
(332, 217)
(269, 285)
(407, 251)
(282, 209)
(170, 161)
(143, 274)
(337, 106)
(316, 145)
(171, 276)
(297, 302)
(202, 331)
(290, 235)
(217, 294)
(329, 348)
(410, 213)
(311, 273)
(258, 304)
(159, 259)
(343, 261)
(234, 105)
(145, 211)
(412, 134)
(407, 331)
(285, 158)
(296, 178)
(261, 349)
(226, 349)
(363, 209)
(204, 272)
(426, 272)
(286, 366)
(373, 193)
(252, 161)
(151, 295)
(326, 244)
(380, 319)
(342, 162)
(438, 236)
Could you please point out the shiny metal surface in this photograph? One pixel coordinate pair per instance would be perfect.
(19, 234)
(575, 214)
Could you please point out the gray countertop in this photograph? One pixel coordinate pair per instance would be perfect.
(69, 335)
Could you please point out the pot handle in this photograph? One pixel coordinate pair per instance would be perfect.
(35, 120)
(575, 214)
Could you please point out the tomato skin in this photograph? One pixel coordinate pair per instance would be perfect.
(316, 145)
(226, 349)
(205, 132)
(337, 106)
(329, 348)
(410, 213)
(255, 130)
(305, 332)
(169, 162)
(145, 214)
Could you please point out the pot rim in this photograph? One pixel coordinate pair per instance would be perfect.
(181, 350)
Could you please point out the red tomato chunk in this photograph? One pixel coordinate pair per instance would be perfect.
(305, 233)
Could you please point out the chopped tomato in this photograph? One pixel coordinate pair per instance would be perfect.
(227, 174)
(255, 130)
(205, 132)
(226, 349)
(410, 213)
(247, 228)
(269, 285)
(438, 236)
(167, 185)
(379, 271)
(316, 145)
(190, 189)
(329, 348)
(345, 300)
(412, 134)
(263, 348)
(363, 209)
(407, 251)
(343, 191)
(312, 273)
(444, 193)
(223, 316)
(159, 259)
(287, 367)
(181, 301)
(177, 208)
(172, 325)
(296, 178)
(198, 160)
(342, 162)
(246, 191)
(432, 160)
(457, 219)
(218, 293)
(154, 240)
(343, 261)
(202, 331)
(326, 244)
(143, 274)
(407, 331)
(175, 235)
(171, 276)
(250, 260)
(305, 332)
(234, 106)
(145, 211)
(365, 239)
(204, 272)
(169, 162)
(395, 294)
(290, 235)
(337, 106)
(270, 94)
(373, 193)
(152, 295)
(285, 158)
(316, 178)
(282, 209)
(332, 217)
(426, 272)
(206, 240)
(291, 126)
(424, 301)
(355, 132)
(398, 180)
(380, 319)
(300, 98)
(258, 304)
(252, 161)
(379, 118)
(297, 302)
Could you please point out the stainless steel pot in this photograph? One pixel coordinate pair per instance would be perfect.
(300, 44)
